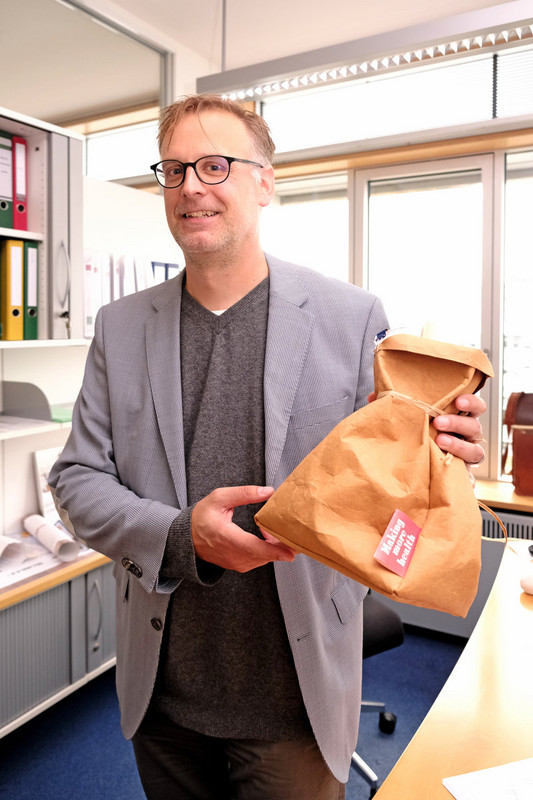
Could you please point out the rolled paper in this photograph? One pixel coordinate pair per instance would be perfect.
(53, 538)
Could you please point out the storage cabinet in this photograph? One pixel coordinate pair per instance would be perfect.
(53, 643)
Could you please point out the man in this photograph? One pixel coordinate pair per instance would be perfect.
(238, 664)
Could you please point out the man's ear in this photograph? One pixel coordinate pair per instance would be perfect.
(266, 185)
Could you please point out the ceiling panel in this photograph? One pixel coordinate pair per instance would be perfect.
(58, 64)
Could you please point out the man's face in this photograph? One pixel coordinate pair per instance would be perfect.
(223, 217)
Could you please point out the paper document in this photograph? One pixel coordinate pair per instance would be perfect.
(512, 781)
(12, 552)
(54, 536)
(43, 462)
(30, 558)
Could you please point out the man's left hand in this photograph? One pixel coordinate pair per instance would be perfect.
(466, 424)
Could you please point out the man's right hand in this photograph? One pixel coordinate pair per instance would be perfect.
(218, 540)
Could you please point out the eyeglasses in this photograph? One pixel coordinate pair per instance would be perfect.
(209, 169)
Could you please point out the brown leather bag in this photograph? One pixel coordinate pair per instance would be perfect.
(519, 421)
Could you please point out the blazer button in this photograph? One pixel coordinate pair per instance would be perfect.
(128, 564)
(156, 624)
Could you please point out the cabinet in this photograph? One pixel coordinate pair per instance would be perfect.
(55, 641)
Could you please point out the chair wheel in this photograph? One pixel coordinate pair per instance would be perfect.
(387, 721)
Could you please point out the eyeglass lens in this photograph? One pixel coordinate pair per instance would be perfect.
(209, 169)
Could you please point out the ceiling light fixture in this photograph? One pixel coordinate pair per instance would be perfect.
(392, 62)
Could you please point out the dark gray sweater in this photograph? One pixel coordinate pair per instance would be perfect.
(226, 667)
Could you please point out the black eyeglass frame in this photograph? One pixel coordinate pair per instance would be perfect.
(193, 164)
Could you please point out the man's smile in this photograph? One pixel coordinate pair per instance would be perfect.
(199, 214)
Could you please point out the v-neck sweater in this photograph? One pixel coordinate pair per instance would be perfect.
(227, 668)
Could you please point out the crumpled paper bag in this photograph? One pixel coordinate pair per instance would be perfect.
(379, 487)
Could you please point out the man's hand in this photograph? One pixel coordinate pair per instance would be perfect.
(218, 540)
(467, 425)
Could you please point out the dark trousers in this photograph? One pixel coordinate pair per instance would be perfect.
(175, 763)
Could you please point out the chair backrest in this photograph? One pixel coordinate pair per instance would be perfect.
(382, 627)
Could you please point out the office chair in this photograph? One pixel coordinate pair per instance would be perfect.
(382, 630)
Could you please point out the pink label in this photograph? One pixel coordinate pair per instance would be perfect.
(398, 543)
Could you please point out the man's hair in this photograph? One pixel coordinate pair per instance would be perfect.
(172, 115)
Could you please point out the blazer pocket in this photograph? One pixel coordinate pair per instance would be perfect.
(331, 413)
(347, 597)
(308, 428)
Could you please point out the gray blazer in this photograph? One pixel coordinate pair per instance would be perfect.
(120, 480)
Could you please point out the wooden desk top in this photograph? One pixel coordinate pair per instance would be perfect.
(482, 717)
(47, 580)
(500, 494)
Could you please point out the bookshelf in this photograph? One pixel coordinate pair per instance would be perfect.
(54, 361)
(59, 625)
(29, 236)
(54, 211)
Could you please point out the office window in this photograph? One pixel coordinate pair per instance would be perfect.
(471, 89)
(308, 223)
(423, 244)
(413, 100)
(515, 84)
(123, 152)
(518, 277)
(421, 237)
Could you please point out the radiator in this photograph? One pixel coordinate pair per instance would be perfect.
(519, 526)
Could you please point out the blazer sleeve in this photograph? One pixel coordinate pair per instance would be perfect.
(90, 497)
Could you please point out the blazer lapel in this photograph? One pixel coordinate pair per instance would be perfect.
(288, 338)
(163, 357)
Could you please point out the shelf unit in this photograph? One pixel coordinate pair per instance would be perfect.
(55, 190)
(53, 362)
(7, 233)
(59, 632)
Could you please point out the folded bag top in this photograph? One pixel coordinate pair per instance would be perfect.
(431, 371)
(381, 461)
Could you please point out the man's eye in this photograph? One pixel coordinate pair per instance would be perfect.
(173, 172)
(215, 166)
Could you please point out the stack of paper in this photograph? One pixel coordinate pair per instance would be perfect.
(512, 781)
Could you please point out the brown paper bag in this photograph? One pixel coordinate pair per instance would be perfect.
(337, 504)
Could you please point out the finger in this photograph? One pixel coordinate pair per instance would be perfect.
(371, 397)
(468, 428)
(471, 404)
(231, 496)
(241, 551)
(470, 452)
(272, 540)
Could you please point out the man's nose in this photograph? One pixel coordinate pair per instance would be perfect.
(191, 181)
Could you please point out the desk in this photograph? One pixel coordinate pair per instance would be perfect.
(52, 577)
(501, 495)
(482, 717)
